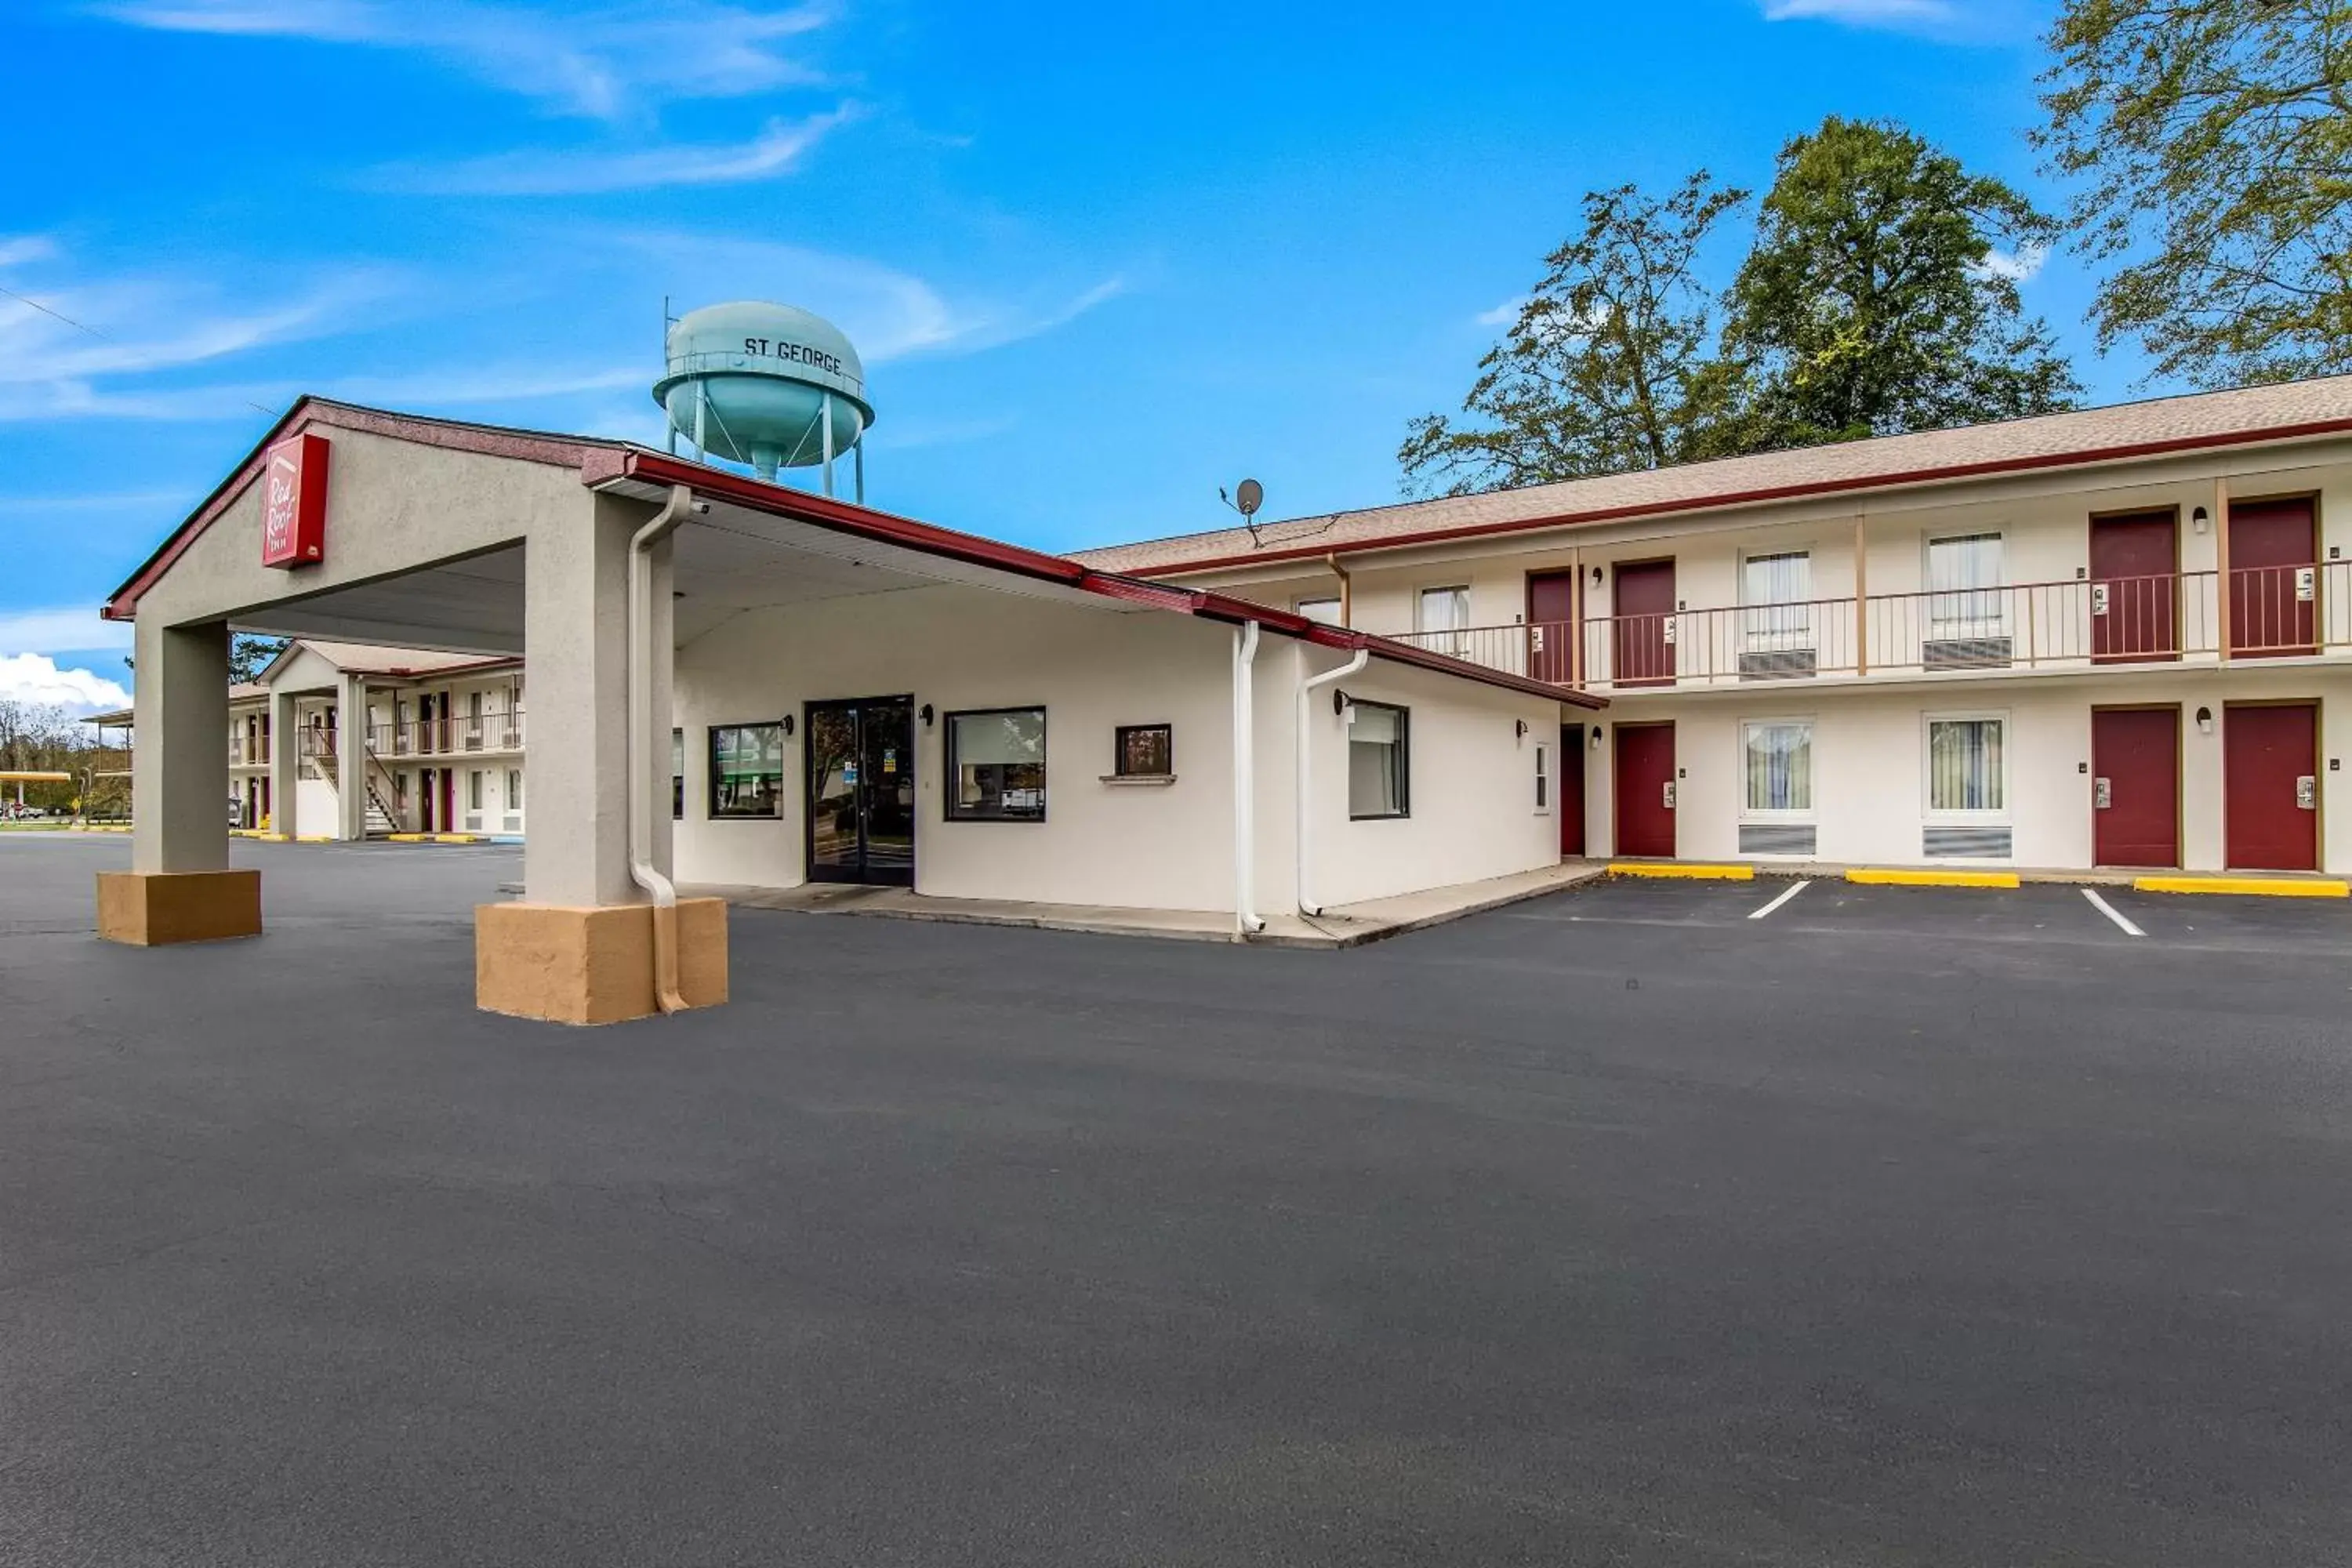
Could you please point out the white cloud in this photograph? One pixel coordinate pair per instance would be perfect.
(775, 151)
(74, 627)
(36, 678)
(609, 62)
(1504, 314)
(2016, 268)
(1897, 13)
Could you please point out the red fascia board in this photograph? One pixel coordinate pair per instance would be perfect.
(308, 411)
(1948, 472)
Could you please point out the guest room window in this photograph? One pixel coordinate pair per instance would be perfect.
(1967, 770)
(996, 766)
(1378, 766)
(1779, 767)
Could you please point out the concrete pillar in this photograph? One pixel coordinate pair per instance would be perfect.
(180, 887)
(285, 762)
(351, 756)
(580, 947)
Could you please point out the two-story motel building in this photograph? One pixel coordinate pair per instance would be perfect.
(2119, 637)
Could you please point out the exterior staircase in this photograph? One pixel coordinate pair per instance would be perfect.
(383, 813)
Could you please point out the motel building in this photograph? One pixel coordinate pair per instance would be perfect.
(438, 744)
(2114, 639)
(2110, 638)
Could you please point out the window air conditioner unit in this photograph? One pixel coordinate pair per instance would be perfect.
(1777, 664)
(1966, 653)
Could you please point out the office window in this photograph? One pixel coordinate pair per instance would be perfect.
(1324, 610)
(1780, 766)
(1543, 779)
(747, 769)
(1966, 769)
(1145, 750)
(678, 776)
(996, 766)
(1964, 576)
(1378, 764)
(1445, 611)
(1776, 590)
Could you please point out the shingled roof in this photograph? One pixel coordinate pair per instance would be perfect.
(2293, 410)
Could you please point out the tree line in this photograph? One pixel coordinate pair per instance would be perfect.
(40, 738)
(2208, 147)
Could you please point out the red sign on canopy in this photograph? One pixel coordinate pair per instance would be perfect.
(294, 503)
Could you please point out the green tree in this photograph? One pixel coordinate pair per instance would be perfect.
(1882, 297)
(2213, 142)
(250, 655)
(1611, 364)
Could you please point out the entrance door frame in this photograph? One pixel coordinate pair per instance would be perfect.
(1617, 790)
(2180, 779)
(2318, 772)
(863, 876)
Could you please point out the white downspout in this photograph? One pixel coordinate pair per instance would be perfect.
(641, 683)
(1245, 917)
(1306, 689)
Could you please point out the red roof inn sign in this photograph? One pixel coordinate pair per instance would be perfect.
(294, 503)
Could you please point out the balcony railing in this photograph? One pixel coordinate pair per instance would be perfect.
(244, 753)
(499, 730)
(2272, 612)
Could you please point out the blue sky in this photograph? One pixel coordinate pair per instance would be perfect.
(1098, 260)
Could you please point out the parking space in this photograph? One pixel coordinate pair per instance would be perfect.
(2039, 913)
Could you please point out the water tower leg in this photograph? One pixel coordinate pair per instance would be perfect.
(701, 411)
(858, 454)
(826, 418)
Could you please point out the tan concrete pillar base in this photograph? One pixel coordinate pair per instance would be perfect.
(149, 909)
(572, 965)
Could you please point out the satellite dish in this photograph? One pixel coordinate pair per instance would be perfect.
(1249, 497)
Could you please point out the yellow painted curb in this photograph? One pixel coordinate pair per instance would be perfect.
(1895, 877)
(408, 838)
(2249, 886)
(1682, 870)
(315, 839)
(453, 839)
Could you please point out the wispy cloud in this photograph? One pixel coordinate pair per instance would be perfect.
(775, 151)
(605, 61)
(1902, 15)
(34, 678)
(1504, 314)
(2016, 268)
(71, 629)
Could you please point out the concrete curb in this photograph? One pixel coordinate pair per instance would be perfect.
(2246, 887)
(1902, 877)
(1682, 871)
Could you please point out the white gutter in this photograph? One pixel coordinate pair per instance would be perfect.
(1306, 689)
(1245, 918)
(641, 754)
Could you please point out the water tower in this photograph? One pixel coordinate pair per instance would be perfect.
(768, 385)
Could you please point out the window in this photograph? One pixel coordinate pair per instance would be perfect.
(1543, 779)
(1324, 610)
(1378, 765)
(747, 769)
(996, 766)
(474, 790)
(678, 776)
(1145, 750)
(1447, 611)
(1967, 768)
(1964, 585)
(1779, 766)
(514, 789)
(1776, 590)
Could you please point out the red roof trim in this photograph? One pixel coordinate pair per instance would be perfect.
(824, 511)
(1779, 492)
(562, 451)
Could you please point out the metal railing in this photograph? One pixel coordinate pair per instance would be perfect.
(460, 734)
(2272, 612)
(244, 753)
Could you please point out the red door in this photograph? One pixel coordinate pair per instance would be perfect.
(1646, 790)
(2274, 578)
(1572, 790)
(448, 796)
(2270, 787)
(2136, 797)
(1552, 625)
(1643, 640)
(2135, 601)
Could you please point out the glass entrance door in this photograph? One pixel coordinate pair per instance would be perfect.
(861, 790)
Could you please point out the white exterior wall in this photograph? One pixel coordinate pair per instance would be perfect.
(960, 649)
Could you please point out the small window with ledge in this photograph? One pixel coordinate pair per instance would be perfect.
(1144, 754)
(1379, 770)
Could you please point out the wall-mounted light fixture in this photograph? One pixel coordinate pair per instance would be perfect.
(2199, 521)
(1596, 737)
(929, 714)
(1523, 728)
(1339, 700)
(2204, 720)
(785, 723)
(1596, 577)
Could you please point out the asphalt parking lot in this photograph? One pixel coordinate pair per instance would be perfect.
(1896, 1227)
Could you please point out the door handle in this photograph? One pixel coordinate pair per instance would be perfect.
(2306, 791)
(2103, 793)
(1669, 794)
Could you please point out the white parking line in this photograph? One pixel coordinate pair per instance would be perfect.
(1783, 899)
(2108, 910)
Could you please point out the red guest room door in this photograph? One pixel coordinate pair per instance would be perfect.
(1645, 640)
(2274, 578)
(2133, 596)
(2136, 797)
(2270, 787)
(1646, 790)
(1552, 625)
